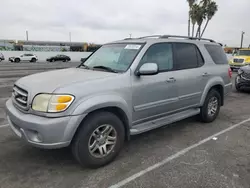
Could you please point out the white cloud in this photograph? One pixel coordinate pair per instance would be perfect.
(102, 21)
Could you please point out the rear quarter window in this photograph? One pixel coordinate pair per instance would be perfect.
(217, 54)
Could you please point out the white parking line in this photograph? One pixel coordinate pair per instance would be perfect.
(2, 126)
(172, 157)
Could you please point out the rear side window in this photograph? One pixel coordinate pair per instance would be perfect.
(217, 54)
(187, 56)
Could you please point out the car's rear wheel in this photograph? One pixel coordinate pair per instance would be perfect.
(33, 60)
(99, 139)
(17, 60)
(211, 106)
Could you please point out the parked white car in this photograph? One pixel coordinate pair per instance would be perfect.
(24, 57)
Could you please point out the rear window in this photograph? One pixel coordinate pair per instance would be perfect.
(217, 54)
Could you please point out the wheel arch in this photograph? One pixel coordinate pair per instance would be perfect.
(218, 85)
(117, 106)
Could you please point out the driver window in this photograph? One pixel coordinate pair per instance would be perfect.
(161, 54)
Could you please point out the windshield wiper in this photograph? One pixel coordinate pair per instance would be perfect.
(105, 68)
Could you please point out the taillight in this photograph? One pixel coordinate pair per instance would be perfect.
(230, 73)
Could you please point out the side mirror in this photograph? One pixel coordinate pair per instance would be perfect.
(148, 69)
(83, 59)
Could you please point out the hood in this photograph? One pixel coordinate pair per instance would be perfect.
(48, 82)
(246, 68)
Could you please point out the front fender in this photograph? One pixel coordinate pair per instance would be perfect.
(212, 82)
(103, 101)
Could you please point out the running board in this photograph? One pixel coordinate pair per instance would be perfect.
(144, 127)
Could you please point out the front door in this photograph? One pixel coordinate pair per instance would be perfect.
(156, 95)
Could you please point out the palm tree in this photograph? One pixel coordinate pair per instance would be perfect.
(200, 16)
(193, 16)
(211, 9)
(190, 3)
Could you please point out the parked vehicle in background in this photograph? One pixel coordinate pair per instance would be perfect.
(240, 59)
(63, 58)
(124, 88)
(242, 80)
(24, 57)
(1, 57)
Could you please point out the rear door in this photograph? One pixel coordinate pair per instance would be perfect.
(190, 74)
(25, 57)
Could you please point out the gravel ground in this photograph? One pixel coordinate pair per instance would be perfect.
(223, 161)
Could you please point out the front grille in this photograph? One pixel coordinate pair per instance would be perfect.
(246, 76)
(20, 97)
(238, 60)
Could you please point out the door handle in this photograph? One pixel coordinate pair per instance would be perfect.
(171, 80)
(205, 74)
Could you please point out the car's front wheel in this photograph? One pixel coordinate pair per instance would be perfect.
(211, 106)
(17, 60)
(237, 82)
(99, 139)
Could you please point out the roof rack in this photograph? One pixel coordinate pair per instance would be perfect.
(176, 36)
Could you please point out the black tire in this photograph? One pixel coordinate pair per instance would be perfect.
(80, 143)
(0, 60)
(204, 115)
(17, 60)
(33, 60)
(237, 87)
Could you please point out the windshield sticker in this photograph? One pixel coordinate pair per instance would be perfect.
(133, 47)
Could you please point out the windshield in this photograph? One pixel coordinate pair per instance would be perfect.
(117, 57)
(244, 52)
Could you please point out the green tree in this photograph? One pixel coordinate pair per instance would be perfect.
(211, 9)
(200, 16)
(190, 3)
(193, 16)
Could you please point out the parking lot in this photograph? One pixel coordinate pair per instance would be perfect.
(184, 154)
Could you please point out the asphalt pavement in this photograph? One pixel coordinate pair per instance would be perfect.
(184, 154)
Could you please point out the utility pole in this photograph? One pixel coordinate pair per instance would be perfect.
(242, 38)
(130, 35)
(27, 35)
(69, 36)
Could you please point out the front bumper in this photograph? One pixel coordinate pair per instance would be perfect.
(241, 82)
(43, 132)
(11, 59)
(237, 66)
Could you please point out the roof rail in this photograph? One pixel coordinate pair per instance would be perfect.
(150, 36)
(175, 36)
(186, 37)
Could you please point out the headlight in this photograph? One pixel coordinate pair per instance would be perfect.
(240, 71)
(51, 103)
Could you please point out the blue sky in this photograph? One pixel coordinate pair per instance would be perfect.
(103, 21)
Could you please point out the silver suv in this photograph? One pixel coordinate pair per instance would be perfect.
(125, 88)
